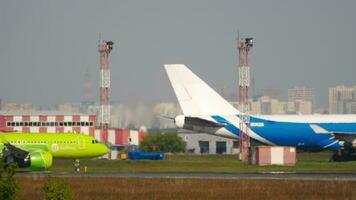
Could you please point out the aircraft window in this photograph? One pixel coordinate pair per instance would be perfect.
(29, 123)
(8, 123)
(21, 123)
(69, 123)
(43, 123)
(78, 123)
(52, 123)
(25, 123)
(91, 123)
(34, 123)
(17, 123)
(47, 123)
(12, 123)
(82, 123)
(65, 123)
(60, 123)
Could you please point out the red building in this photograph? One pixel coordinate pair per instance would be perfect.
(123, 137)
(47, 122)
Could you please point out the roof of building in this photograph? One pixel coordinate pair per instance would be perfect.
(43, 112)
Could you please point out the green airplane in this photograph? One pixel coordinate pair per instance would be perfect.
(37, 150)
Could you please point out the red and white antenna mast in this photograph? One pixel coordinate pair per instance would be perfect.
(243, 47)
(105, 48)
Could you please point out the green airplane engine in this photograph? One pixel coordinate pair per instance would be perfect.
(40, 161)
(36, 161)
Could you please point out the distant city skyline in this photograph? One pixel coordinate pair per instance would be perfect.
(137, 114)
(47, 46)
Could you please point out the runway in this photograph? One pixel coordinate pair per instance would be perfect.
(233, 176)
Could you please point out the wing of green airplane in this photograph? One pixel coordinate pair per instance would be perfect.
(35, 159)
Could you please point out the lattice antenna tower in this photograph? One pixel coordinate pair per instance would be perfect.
(105, 47)
(244, 47)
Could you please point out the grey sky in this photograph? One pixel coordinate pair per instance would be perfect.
(47, 45)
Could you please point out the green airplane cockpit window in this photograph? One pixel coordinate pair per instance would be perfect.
(94, 141)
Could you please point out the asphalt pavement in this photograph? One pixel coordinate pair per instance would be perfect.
(269, 175)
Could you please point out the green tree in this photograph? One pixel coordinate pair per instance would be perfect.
(57, 189)
(8, 185)
(168, 142)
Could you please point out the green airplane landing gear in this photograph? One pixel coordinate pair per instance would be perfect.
(77, 165)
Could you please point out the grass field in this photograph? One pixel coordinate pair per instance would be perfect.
(307, 162)
(169, 188)
(135, 188)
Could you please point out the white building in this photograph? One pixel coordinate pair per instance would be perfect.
(301, 93)
(266, 105)
(341, 99)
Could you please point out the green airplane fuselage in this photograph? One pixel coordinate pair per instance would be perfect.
(60, 145)
(43, 147)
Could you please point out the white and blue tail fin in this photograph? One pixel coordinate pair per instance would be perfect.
(194, 95)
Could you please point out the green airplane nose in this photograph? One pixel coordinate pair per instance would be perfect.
(104, 149)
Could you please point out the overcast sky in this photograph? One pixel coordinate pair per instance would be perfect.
(46, 46)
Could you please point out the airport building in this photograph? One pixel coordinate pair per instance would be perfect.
(47, 122)
(201, 143)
